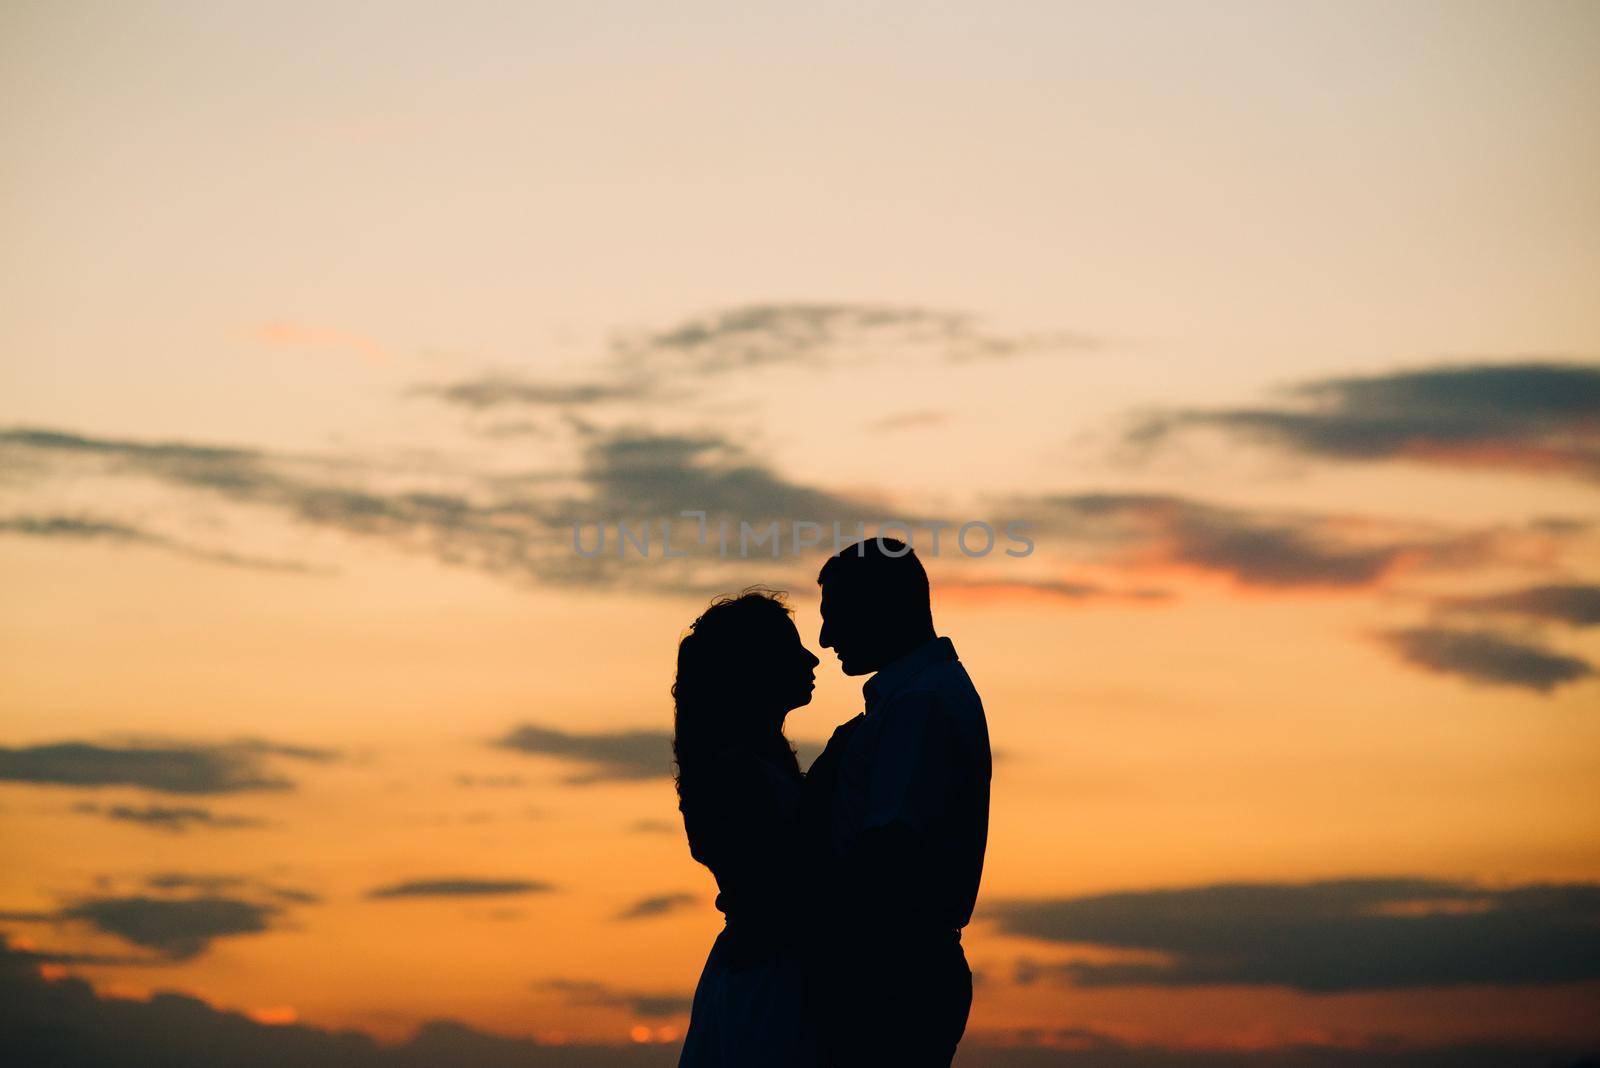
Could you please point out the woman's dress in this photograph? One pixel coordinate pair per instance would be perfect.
(750, 1004)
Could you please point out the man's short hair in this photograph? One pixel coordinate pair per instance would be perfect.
(884, 570)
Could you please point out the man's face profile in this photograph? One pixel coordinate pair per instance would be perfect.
(845, 631)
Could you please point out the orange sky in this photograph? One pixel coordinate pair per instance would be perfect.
(319, 341)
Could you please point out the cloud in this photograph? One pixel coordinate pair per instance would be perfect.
(178, 929)
(215, 883)
(1324, 937)
(1255, 547)
(1086, 1047)
(492, 524)
(168, 768)
(66, 1024)
(995, 589)
(652, 826)
(1575, 605)
(643, 473)
(585, 992)
(172, 818)
(615, 756)
(817, 334)
(500, 391)
(515, 536)
(660, 905)
(459, 887)
(1486, 658)
(84, 528)
(1534, 416)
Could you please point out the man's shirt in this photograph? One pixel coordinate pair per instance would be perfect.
(918, 758)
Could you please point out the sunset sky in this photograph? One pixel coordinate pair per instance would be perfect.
(1276, 323)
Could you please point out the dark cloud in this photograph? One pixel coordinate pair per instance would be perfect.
(1324, 937)
(66, 1024)
(174, 818)
(649, 826)
(584, 992)
(817, 334)
(212, 883)
(613, 756)
(660, 905)
(516, 527)
(1256, 548)
(1487, 658)
(178, 929)
(642, 473)
(459, 887)
(177, 769)
(512, 536)
(497, 391)
(1575, 605)
(1082, 1047)
(1523, 416)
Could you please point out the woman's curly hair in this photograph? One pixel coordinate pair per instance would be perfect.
(722, 662)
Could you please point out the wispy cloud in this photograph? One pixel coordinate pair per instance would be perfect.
(1532, 416)
(643, 473)
(212, 883)
(1486, 658)
(659, 905)
(458, 886)
(88, 528)
(520, 530)
(225, 768)
(1322, 937)
(505, 390)
(589, 992)
(175, 819)
(1260, 548)
(817, 334)
(1052, 589)
(614, 756)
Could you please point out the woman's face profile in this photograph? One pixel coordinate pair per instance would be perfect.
(790, 666)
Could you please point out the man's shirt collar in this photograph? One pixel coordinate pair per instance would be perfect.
(897, 675)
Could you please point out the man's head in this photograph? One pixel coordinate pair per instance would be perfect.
(875, 605)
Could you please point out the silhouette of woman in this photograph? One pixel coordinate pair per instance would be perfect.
(741, 670)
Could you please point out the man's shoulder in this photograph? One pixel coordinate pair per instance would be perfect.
(944, 686)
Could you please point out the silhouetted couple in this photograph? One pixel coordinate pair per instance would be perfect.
(844, 889)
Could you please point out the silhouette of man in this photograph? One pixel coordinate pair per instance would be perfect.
(898, 810)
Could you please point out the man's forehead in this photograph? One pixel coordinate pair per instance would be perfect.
(840, 590)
